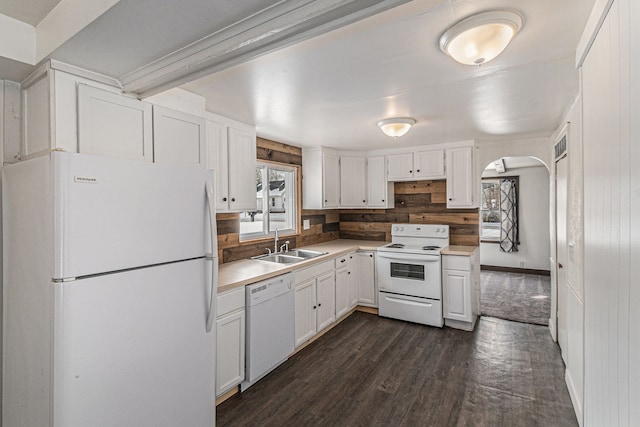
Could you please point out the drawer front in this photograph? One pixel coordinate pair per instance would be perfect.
(342, 261)
(456, 262)
(313, 271)
(230, 301)
(412, 309)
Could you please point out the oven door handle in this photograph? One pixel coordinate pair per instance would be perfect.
(409, 257)
(408, 302)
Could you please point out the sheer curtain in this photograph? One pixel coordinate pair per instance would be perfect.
(509, 216)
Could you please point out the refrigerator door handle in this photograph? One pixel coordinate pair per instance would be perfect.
(214, 260)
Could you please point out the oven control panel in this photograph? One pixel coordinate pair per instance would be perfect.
(420, 230)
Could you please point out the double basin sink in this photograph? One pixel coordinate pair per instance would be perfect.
(290, 257)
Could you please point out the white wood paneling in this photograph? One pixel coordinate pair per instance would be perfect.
(611, 334)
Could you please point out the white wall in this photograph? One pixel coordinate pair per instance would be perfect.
(533, 222)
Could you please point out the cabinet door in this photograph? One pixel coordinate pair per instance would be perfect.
(353, 281)
(178, 138)
(377, 185)
(365, 262)
(460, 178)
(305, 311)
(217, 160)
(342, 292)
(457, 295)
(326, 299)
(400, 167)
(230, 332)
(353, 181)
(429, 164)
(113, 125)
(331, 180)
(242, 170)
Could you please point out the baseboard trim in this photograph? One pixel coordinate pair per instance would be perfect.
(573, 394)
(552, 330)
(515, 270)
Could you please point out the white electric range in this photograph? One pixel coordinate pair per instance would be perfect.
(409, 273)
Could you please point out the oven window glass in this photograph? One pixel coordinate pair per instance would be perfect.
(407, 271)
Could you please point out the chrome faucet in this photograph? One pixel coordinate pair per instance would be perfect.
(275, 242)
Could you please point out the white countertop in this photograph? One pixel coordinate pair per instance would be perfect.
(459, 250)
(240, 273)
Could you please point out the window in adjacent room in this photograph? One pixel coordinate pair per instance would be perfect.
(490, 212)
(275, 203)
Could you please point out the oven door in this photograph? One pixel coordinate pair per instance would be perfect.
(410, 274)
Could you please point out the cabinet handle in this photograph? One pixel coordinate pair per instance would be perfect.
(370, 255)
(348, 272)
(342, 260)
(418, 170)
(314, 307)
(383, 200)
(410, 171)
(320, 305)
(325, 201)
(233, 199)
(224, 199)
(450, 199)
(364, 201)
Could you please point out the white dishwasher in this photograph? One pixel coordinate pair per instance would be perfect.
(270, 326)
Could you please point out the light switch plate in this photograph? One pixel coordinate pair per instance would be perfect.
(306, 224)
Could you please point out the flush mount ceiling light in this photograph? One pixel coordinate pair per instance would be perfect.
(481, 37)
(397, 126)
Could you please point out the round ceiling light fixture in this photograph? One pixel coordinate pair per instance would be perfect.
(397, 126)
(480, 38)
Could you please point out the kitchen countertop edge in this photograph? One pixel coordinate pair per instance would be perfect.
(244, 272)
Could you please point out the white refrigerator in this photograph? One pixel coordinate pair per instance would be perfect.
(110, 275)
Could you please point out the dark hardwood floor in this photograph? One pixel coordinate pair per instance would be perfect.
(373, 371)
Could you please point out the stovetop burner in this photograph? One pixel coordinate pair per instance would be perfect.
(430, 248)
(395, 245)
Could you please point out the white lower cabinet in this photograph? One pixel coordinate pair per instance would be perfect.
(460, 283)
(346, 285)
(365, 278)
(230, 340)
(315, 300)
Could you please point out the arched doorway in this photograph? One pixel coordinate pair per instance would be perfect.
(515, 240)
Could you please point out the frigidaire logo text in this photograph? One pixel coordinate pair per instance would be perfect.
(85, 179)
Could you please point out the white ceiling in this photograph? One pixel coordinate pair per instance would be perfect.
(330, 90)
(29, 11)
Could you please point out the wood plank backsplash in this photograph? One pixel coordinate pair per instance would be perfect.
(419, 202)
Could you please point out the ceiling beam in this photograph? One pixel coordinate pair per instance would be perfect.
(285, 23)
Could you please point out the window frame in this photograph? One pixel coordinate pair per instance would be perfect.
(295, 203)
(498, 178)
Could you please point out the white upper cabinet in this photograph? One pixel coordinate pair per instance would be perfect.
(461, 178)
(242, 169)
(429, 164)
(353, 181)
(217, 160)
(320, 178)
(416, 165)
(400, 167)
(50, 111)
(380, 191)
(112, 125)
(178, 138)
(231, 154)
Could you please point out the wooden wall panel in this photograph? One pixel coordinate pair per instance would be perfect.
(417, 202)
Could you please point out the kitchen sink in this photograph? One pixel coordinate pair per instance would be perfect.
(305, 253)
(291, 257)
(279, 258)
